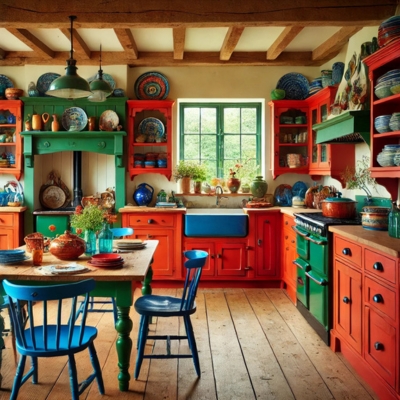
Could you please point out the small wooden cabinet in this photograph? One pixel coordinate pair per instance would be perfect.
(166, 227)
(11, 228)
(145, 117)
(10, 138)
(366, 306)
(289, 254)
(383, 60)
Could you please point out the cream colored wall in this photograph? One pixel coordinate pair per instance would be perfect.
(185, 83)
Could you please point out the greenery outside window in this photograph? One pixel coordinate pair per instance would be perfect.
(220, 134)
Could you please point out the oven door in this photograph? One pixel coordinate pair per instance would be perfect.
(302, 289)
(302, 243)
(318, 297)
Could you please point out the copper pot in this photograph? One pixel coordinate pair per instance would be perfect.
(338, 207)
(67, 246)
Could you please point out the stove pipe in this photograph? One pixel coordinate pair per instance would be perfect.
(77, 165)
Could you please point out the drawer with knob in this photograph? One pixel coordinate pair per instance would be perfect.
(6, 220)
(380, 298)
(380, 266)
(348, 250)
(151, 220)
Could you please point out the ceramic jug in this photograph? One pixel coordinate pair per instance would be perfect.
(143, 194)
(258, 187)
(36, 122)
(55, 125)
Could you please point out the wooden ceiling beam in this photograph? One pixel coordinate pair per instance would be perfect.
(127, 41)
(2, 54)
(334, 44)
(231, 40)
(179, 35)
(81, 50)
(282, 41)
(33, 42)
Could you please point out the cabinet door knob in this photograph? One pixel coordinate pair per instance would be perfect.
(300, 280)
(346, 300)
(259, 242)
(212, 256)
(219, 256)
(346, 251)
(377, 298)
(150, 221)
(247, 268)
(286, 237)
(378, 266)
(378, 346)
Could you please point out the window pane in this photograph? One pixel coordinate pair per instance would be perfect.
(232, 120)
(209, 148)
(191, 120)
(191, 144)
(249, 120)
(208, 120)
(249, 147)
(231, 147)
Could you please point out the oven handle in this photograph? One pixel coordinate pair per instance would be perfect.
(322, 282)
(300, 232)
(309, 237)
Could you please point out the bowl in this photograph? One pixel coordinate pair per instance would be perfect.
(376, 221)
(382, 92)
(278, 94)
(395, 89)
(13, 93)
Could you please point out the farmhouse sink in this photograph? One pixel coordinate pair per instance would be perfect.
(216, 222)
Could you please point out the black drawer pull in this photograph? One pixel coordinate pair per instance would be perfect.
(377, 298)
(378, 266)
(346, 300)
(378, 346)
(346, 251)
(150, 221)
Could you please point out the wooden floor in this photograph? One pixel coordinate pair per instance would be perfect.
(253, 344)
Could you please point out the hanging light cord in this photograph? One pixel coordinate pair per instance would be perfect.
(72, 18)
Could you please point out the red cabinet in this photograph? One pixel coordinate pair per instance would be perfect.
(11, 228)
(145, 117)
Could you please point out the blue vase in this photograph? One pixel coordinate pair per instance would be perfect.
(337, 72)
(90, 240)
(106, 238)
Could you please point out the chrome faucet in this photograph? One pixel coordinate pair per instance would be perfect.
(219, 191)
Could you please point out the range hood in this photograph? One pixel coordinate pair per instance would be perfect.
(349, 127)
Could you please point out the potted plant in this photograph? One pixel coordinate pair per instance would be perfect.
(186, 171)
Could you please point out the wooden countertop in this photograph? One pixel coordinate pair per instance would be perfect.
(127, 209)
(379, 240)
(12, 209)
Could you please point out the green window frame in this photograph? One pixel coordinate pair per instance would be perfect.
(219, 134)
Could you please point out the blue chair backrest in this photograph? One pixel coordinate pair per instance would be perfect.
(121, 232)
(65, 315)
(194, 267)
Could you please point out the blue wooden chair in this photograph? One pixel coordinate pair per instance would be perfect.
(53, 338)
(167, 306)
(118, 233)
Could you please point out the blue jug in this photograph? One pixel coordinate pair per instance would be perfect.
(143, 194)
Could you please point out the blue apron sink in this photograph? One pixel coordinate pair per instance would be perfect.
(216, 222)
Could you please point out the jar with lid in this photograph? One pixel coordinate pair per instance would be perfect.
(394, 221)
(106, 238)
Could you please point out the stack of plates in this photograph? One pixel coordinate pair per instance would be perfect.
(394, 123)
(315, 86)
(106, 261)
(164, 204)
(381, 123)
(386, 157)
(389, 30)
(12, 256)
(388, 84)
(127, 245)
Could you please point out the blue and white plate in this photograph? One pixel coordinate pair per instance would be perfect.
(283, 196)
(299, 189)
(14, 261)
(153, 128)
(74, 119)
(44, 81)
(107, 77)
(6, 81)
(151, 86)
(295, 85)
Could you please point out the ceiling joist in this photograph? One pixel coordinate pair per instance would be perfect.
(231, 40)
(81, 50)
(283, 40)
(179, 35)
(127, 41)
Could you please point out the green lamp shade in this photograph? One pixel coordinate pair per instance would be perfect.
(71, 85)
(100, 85)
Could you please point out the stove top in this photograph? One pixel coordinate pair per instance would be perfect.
(318, 224)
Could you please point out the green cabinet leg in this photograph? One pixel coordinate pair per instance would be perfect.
(146, 288)
(124, 346)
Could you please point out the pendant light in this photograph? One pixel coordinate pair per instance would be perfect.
(71, 85)
(99, 87)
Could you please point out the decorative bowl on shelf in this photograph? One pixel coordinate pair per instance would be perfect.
(382, 91)
(375, 218)
(395, 89)
(278, 94)
(13, 93)
(381, 123)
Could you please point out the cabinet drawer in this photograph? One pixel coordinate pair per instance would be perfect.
(288, 221)
(379, 265)
(348, 250)
(6, 219)
(380, 298)
(152, 220)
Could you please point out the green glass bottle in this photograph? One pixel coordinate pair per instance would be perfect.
(106, 238)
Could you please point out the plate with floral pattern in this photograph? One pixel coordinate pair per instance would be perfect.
(44, 81)
(153, 128)
(151, 86)
(108, 121)
(295, 85)
(74, 119)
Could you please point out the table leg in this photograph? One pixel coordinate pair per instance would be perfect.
(124, 346)
(146, 288)
(1, 345)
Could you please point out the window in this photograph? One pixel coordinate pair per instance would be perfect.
(220, 134)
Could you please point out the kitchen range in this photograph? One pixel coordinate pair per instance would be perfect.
(314, 268)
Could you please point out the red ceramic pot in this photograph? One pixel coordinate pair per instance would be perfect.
(338, 207)
(67, 246)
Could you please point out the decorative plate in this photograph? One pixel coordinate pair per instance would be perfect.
(44, 82)
(62, 269)
(108, 121)
(283, 195)
(6, 81)
(151, 86)
(153, 128)
(52, 197)
(107, 77)
(295, 85)
(74, 119)
(15, 261)
(299, 189)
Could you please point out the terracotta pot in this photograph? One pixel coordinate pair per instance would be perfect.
(67, 246)
(337, 207)
(185, 185)
(233, 184)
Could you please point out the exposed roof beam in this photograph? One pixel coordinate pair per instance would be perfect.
(33, 42)
(282, 41)
(2, 54)
(81, 50)
(334, 44)
(179, 35)
(127, 41)
(231, 40)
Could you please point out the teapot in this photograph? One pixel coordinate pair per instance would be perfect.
(143, 194)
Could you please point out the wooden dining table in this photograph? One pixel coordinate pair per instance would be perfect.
(118, 283)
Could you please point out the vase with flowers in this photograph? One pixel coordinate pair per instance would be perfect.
(233, 182)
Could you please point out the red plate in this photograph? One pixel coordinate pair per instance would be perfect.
(107, 265)
(106, 257)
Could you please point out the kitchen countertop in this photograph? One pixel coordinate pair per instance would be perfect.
(379, 240)
(127, 209)
(12, 209)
